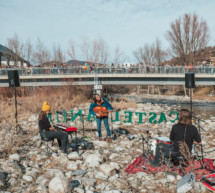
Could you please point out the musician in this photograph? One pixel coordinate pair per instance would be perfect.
(183, 132)
(99, 107)
(49, 131)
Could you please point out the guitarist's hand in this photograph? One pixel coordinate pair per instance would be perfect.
(98, 114)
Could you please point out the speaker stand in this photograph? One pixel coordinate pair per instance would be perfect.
(191, 110)
(16, 113)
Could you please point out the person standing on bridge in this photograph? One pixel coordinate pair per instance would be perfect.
(99, 107)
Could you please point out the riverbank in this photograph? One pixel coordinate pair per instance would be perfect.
(25, 167)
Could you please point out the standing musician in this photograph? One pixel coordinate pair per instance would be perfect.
(182, 133)
(49, 132)
(99, 107)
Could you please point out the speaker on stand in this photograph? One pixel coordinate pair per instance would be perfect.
(190, 84)
(13, 80)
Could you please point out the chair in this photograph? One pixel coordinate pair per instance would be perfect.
(45, 139)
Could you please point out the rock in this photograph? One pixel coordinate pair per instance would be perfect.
(68, 174)
(100, 175)
(13, 182)
(72, 166)
(42, 180)
(79, 173)
(109, 169)
(27, 178)
(14, 157)
(42, 189)
(102, 144)
(11, 167)
(126, 144)
(53, 172)
(58, 184)
(170, 178)
(2, 176)
(74, 156)
(141, 175)
(112, 191)
(88, 181)
(79, 190)
(93, 160)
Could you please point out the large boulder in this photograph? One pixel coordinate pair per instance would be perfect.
(109, 169)
(59, 184)
(74, 156)
(93, 160)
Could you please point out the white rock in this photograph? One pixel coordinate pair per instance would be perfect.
(78, 190)
(74, 156)
(113, 156)
(170, 178)
(102, 144)
(113, 178)
(100, 175)
(112, 191)
(27, 178)
(13, 182)
(54, 172)
(126, 144)
(11, 167)
(58, 184)
(72, 166)
(68, 174)
(109, 169)
(42, 189)
(93, 160)
(42, 180)
(14, 157)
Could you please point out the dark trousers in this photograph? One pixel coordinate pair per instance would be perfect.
(61, 137)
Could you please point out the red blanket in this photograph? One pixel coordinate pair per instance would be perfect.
(141, 164)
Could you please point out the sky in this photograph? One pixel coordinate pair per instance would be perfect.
(126, 24)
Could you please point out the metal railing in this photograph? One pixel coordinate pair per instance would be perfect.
(109, 70)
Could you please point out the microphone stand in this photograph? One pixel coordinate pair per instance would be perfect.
(203, 166)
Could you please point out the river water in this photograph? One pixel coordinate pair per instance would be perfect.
(203, 110)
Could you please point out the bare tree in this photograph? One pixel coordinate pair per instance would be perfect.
(15, 49)
(159, 55)
(72, 51)
(145, 54)
(58, 54)
(85, 48)
(187, 37)
(99, 51)
(118, 54)
(41, 54)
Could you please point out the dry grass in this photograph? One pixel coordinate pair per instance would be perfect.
(124, 104)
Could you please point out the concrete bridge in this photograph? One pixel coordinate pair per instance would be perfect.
(108, 76)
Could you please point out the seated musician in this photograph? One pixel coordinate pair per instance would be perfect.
(99, 107)
(49, 132)
(182, 133)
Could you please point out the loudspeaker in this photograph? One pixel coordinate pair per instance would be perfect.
(190, 80)
(13, 78)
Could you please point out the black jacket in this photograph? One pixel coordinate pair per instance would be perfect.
(44, 124)
(178, 134)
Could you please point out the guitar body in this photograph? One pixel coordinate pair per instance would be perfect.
(101, 110)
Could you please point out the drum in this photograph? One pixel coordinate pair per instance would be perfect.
(164, 140)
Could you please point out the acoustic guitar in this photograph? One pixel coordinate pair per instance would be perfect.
(101, 110)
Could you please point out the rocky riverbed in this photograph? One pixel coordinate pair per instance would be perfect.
(24, 166)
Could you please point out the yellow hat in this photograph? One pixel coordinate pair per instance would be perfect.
(46, 106)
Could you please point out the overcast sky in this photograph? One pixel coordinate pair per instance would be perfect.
(127, 24)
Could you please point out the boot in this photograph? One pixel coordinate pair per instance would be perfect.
(108, 140)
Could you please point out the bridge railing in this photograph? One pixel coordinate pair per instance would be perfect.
(110, 70)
